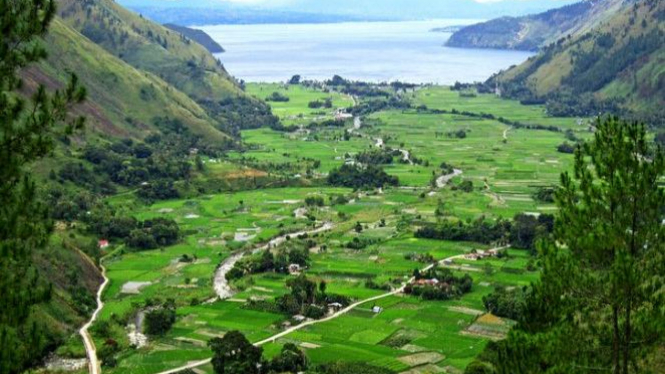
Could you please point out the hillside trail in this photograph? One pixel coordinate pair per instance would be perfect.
(94, 366)
(505, 133)
(357, 123)
(342, 312)
(496, 198)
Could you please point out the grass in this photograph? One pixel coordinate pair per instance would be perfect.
(296, 110)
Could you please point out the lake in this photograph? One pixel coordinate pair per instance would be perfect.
(369, 51)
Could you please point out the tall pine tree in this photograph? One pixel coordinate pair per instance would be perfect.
(599, 306)
(27, 132)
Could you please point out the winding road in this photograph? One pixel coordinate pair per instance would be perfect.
(221, 285)
(342, 312)
(94, 365)
(443, 180)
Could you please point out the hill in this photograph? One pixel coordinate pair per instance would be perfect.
(182, 64)
(532, 32)
(198, 36)
(618, 67)
(123, 102)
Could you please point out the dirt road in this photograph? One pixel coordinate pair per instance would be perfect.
(94, 365)
(221, 285)
(443, 180)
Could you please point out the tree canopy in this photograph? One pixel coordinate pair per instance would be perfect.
(27, 134)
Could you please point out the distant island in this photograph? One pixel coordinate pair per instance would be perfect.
(240, 16)
(452, 28)
(198, 36)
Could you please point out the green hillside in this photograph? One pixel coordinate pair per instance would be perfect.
(185, 65)
(616, 67)
(532, 32)
(122, 101)
(149, 46)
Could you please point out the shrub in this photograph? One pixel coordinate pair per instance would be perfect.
(278, 97)
(566, 148)
(356, 177)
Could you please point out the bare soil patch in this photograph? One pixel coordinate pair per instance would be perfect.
(422, 358)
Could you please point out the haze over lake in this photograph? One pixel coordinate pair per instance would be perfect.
(369, 51)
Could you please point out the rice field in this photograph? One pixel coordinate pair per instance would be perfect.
(409, 335)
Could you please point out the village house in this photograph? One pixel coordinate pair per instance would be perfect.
(103, 244)
(472, 256)
(295, 269)
(341, 115)
(479, 255)
(335, 307)
(427, 282)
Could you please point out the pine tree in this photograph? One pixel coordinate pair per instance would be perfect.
(600, 303)
(27, 133)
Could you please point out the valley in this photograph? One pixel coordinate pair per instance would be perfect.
(173, 203)
(364, 244)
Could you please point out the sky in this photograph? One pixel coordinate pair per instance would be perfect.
(376, 8)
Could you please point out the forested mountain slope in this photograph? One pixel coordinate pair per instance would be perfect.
(532, 32)
(618, 67)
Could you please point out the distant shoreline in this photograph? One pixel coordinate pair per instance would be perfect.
(372, 52)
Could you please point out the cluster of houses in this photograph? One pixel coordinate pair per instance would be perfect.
(479, 255)
(427, 282)
(342, 115)
(332, 309)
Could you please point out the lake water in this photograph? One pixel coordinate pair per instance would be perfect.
(369, 51)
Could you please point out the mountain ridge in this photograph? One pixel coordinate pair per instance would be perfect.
(310, 11)
(198, 36)
(532, 32)
(617, 67)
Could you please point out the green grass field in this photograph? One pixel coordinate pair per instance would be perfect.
(296, 110)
